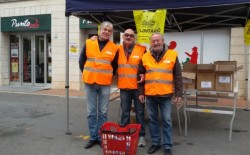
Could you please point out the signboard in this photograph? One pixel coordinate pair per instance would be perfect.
(85, 24)
(26, 23)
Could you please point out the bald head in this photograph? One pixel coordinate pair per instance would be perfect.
(128, 37)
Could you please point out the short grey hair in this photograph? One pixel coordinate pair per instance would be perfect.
(105, 24)
(158, 33)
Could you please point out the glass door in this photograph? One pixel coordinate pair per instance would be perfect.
(39, 59)
(34, 60)
(27, 60)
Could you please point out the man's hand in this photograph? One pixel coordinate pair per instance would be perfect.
(142, 78)
(93, 38)
(177, 100)
(142, 98)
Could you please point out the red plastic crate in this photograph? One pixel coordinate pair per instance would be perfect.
(117, 140)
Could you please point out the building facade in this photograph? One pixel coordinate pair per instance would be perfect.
(32, 46)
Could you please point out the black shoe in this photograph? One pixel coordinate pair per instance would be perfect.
(90, 144)
(168, 152)
(153, 149)
(99, 143)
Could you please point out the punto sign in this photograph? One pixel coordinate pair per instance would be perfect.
(26, 23)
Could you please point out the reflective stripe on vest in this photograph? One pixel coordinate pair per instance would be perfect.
(100, 61)
(127, 76)
(158, 81)
(98, 70)
(159, 70)
(127, 66)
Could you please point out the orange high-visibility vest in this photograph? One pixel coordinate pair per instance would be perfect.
(97, 68)
(159, 75)
(127, 69)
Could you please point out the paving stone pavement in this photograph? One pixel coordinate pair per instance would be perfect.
(35, 123)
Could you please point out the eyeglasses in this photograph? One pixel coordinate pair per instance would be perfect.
(131, 35)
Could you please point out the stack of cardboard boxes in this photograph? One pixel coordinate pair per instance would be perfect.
(220, 76)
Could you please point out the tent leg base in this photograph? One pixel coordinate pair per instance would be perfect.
(68, 133)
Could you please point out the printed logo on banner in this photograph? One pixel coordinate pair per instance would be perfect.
(149, 22)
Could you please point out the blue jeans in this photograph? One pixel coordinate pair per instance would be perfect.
(126, 96)
(164, 106)
(97, 99)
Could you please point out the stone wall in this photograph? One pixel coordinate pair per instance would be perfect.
(237, 53)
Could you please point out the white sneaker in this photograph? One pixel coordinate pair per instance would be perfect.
(141, 142)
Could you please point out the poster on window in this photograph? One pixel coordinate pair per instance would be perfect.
(49, 70)
(14, 50)
(14, 67)
(49, 50)
(73, 50)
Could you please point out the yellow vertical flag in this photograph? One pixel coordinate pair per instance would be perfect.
(247, 33)
(98, 26)
(149, 22)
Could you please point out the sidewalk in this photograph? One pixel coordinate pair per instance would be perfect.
(220, 102)
(74, 93)
(60, 92)
(206, 101)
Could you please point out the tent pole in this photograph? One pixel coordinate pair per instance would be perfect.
(67, 72)
(247, 74)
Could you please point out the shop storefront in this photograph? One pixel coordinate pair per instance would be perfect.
(30, 55)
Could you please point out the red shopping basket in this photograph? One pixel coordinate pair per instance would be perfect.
(117, 140)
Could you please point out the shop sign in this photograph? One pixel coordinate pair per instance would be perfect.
(85, 24)
(26, 23)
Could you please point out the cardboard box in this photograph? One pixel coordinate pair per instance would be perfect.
(189, 80)
(227, 66)
(224, 81)
(205, 77)
(189, 67)
(225, 75)
(205, 68)
(189, 76)
(225, 63)
(205, 81)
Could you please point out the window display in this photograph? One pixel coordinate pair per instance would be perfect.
(14, 58)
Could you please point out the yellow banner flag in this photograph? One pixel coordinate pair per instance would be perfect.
(99, 28)
(149, 22)
(247, 33)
